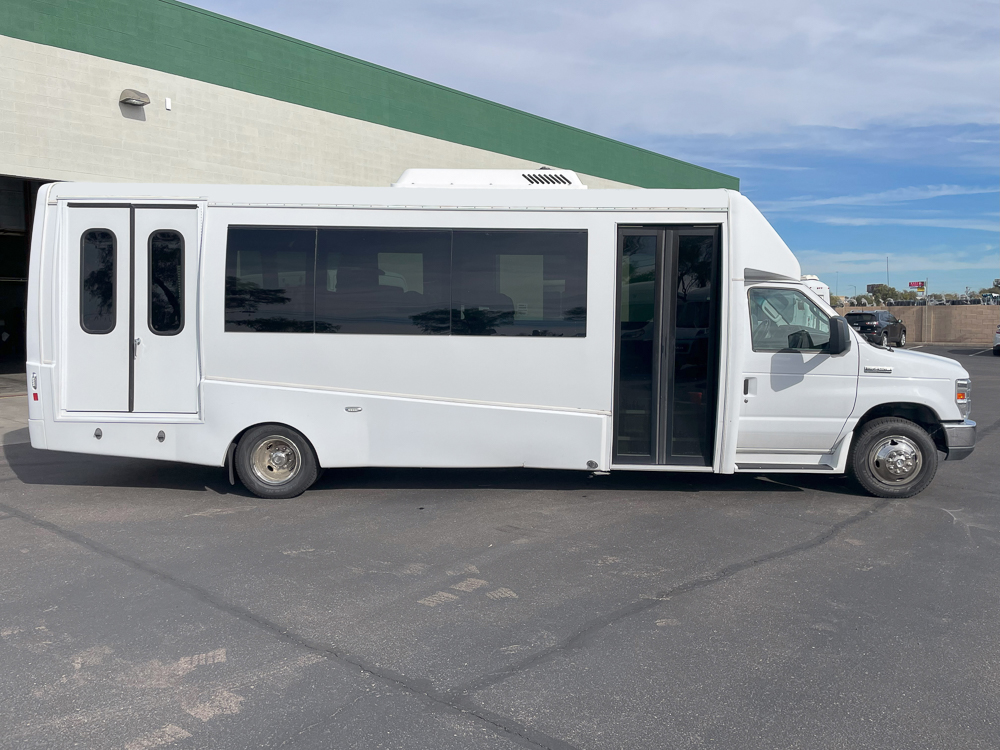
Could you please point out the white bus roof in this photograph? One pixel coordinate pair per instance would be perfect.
(491, 198)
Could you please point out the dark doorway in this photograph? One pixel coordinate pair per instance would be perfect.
(17, 211)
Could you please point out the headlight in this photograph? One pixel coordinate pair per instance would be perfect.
(963, 397)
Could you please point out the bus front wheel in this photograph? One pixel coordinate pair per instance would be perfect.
(275, 462)
(892, 457)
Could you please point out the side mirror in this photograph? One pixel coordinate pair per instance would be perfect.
(840, 335)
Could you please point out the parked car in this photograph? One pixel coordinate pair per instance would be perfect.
(878, 326)
(996, 343)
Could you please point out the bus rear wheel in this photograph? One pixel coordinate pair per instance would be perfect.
(892, 457)
(275, 462)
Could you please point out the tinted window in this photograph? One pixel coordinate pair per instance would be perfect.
(407, 281)
(383, 281)
(693, 420)
(519, 283)
(636, 348)
(97, 280)
(166, 282)
(785, 319)
(269, 279)
(860, 318)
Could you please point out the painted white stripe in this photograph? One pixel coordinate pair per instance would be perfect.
(441, 597)
(502, 594)
(469, 584)
(170, 734)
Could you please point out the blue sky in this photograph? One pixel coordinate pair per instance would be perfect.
(862, 128)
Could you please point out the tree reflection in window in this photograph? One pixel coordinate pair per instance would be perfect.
(166, 282)
(246, 298)
(97, 281)
(269, 279)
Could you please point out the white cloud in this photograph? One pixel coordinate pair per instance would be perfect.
(711, 67)
(924, 259)
(883, 198)
(941, 223)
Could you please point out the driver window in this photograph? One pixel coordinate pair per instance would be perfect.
(786, 320)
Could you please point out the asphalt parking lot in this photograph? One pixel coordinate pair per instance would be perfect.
(147, 605)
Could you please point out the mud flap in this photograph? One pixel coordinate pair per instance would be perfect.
(230, 451)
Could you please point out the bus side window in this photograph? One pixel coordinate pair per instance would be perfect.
(269, 279)
(97, 280)
(786, 320)
(166, 282)
(388, 281)
(519, 283)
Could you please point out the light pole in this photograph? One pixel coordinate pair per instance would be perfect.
(855, 288)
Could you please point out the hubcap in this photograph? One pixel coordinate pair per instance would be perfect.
(895, 460)
(275, 460)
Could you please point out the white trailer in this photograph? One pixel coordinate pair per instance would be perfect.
(499, 319)
(822, 290)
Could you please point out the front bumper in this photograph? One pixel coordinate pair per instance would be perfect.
(960, 438)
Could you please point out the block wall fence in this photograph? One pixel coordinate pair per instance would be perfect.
(946, 324)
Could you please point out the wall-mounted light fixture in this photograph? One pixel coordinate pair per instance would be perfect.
(133, 97)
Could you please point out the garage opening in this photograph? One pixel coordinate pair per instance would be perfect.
(17, 210)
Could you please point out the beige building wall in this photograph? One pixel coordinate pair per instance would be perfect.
(60, 120)
(945, 324)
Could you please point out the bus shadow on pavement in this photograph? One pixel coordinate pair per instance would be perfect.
(33, 467)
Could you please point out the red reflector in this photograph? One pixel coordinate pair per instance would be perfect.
(35, 396)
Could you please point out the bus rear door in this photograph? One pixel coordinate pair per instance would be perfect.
(130, 321)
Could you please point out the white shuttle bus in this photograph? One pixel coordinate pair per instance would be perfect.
(460, 319)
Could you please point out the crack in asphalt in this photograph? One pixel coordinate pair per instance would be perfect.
(502, 725)
(456, 699)
(580, 637)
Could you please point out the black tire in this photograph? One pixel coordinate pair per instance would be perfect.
(902, 339)
(882, 451)
(275, 462)
(996, 351)
(884, 341)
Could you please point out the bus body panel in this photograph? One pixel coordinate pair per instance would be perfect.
(421, 400)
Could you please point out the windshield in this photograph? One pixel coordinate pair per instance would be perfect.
(860, 318)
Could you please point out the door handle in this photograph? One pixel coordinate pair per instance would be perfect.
(135, 348)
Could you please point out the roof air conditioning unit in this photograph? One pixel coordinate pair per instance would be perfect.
(533, 179)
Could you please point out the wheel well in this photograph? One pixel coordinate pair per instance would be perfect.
(238, 436)
(919, 413)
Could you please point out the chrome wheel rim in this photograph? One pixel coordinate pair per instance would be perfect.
(895, 460)
(275, 460)
(885, 340)
(902, 339)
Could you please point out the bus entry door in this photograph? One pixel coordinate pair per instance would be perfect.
(666, 357)
(164, 348)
